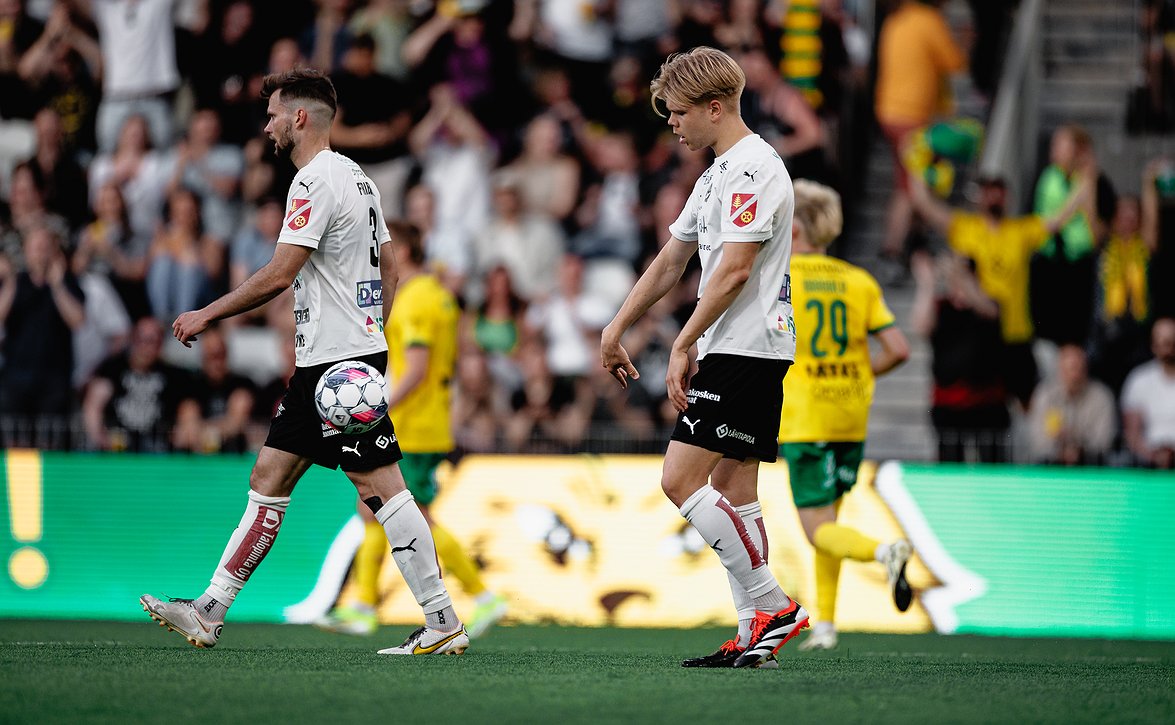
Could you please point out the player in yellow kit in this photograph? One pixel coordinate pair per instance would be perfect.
(827, 395)
(422, 352)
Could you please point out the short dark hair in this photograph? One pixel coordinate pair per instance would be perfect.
(301, 84)
(408, 234)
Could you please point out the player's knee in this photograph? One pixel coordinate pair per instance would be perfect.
(675, 489)
(269, 482)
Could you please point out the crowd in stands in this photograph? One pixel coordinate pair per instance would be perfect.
(518, 136)
(1082, 281)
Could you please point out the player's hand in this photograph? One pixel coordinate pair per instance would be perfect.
(55, 274)
(188, 325)
(614, 359)
(675, 379)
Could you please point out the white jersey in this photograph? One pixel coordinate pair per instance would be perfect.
(333, 208)
(746, 196)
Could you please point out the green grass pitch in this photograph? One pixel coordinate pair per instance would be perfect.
(128, 672)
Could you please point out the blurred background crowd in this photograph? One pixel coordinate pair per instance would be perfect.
(518, 136)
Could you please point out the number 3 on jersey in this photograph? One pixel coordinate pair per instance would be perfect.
(838, 326)
(374, 250)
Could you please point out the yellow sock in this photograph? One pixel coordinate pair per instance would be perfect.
(843, 542)
(368, 561)
(827, 582)
(457, 561)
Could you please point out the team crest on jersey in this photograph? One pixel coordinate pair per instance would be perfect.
(299, 213)
(742, 209)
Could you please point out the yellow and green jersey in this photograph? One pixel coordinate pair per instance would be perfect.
(1002, 254)
(828, 390)
(424, 314)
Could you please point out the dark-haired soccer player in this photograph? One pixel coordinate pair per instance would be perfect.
(331, 250)
(738, 219)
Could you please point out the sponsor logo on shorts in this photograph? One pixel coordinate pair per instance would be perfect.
(692, 396)
(691, 424)
(369, 293)
(352, 449)
(383, 442)
(327, 431)
(725, 431)
(302, 316)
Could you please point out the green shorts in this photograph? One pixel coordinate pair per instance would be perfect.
(420, 473)
(821, 472)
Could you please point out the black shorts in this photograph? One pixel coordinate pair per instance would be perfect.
(734, 405)
(296, 427)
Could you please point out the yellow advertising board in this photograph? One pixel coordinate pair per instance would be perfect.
(591, 540)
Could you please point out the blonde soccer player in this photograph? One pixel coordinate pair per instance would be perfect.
(826, 408)
(738, 221)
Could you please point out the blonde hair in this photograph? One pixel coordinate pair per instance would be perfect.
(818, 210)
(696, 76)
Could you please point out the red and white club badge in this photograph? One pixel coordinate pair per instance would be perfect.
(298, 214)
(742, 209)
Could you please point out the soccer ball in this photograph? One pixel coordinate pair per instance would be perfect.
(350, 397)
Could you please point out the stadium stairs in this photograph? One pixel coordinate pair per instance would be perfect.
(1091, 55)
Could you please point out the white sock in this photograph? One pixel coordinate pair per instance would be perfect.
(416, 555)
(881, 552)
(752, 516)
(250, 542)
(722, 528)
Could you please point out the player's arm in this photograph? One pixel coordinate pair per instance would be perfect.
(1079, 198)
(1150, 204)
(738, 258)
(416, 359)
(924, 312)
(936, 213)
(895, 350)
(389, 276)
(69, 306)
(656, 282)
(236, 414)
(1133, 430)
(98, 395)
(265, 284)
(7, 288)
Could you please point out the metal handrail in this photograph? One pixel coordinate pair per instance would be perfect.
(1012, 130)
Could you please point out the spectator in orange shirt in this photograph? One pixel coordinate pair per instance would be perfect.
(915, 57)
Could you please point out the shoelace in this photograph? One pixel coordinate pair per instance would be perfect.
(762, 619)
(415, 636)
(729, 646)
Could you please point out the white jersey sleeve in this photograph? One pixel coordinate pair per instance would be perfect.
(309, 206)
(752, 194)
